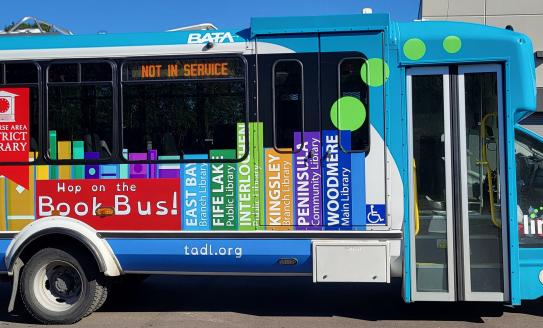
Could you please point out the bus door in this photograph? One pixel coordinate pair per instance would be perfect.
(458, 205)
(352, 136)
(288, 106)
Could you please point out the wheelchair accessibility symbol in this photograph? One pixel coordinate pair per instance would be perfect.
(376, 214)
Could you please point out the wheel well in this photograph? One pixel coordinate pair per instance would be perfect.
(60, 241)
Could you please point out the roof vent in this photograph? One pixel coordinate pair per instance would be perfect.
(366, 11)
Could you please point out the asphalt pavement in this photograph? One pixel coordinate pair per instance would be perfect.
(260, 302)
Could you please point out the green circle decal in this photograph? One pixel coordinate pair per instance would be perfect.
(414, 49)
(348, 113)
(452, 44)
(372, 72)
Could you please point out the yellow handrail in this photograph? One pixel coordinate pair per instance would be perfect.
(415, 194)
(484, 156)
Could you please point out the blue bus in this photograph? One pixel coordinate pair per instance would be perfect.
(342, 148)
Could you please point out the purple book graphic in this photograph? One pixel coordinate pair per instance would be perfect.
(307, 181)
(152, 155)
(171, 171)
(137, 171)
(92, 171)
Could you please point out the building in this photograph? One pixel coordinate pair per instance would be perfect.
(524, 16)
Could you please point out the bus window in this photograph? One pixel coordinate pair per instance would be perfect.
(194, 107)
(25, 75)
(79, 112)
(288, 102)
(96, 72)
(21, 73)
(529, 160)
(63, 73)
(351, 85)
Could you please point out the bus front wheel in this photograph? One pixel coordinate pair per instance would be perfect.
(61, 287)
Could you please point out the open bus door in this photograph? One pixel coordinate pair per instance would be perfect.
(458, 241)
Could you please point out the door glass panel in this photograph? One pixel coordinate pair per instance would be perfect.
(483, 182)
(430, 184)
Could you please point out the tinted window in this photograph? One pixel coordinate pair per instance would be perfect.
(21, 73)
(81, 114)
(351, 85)
(529, 160)
(182, 118)
(95, 72)
(63, 73)
(288, 102)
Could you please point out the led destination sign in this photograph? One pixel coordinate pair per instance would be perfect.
(175, 69)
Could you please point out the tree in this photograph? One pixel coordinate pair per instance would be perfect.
(44, 27)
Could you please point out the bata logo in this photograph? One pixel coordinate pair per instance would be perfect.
(215, 37)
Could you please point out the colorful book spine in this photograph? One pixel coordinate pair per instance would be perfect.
(3, 202)
(152, 155)
(42, 172)
(250, 177)
(64, 153)
(123, 168)
(109, 171)
(137, 171)
(257, 148)
(195, 189)
(307, 181)
(78, 152)
(358, 164)
(20, 203)
(92, 171)
(53, 169)
(223, 201)
(336, 180)
(278, 188)
(169, 171)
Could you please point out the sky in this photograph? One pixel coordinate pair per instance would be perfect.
(118, 16)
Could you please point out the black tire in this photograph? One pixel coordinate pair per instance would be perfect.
(61, 287)
(103, 292)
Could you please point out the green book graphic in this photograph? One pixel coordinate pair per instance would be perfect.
(257, 149)
(53, 169)
(250, 178)
(78, 152)
(223, 191)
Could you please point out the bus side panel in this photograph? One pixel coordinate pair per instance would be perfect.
(212, 255)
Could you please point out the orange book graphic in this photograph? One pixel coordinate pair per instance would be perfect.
(279, 196)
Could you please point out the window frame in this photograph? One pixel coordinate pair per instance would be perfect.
(274, 115)
(366, 104)
(114, 103)
(37, 159)
(122, 83)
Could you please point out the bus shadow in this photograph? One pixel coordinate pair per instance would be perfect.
(279, 296)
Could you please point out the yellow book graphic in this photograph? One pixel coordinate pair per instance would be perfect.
(42, 172)
(2, 204)
(279, 196)
(64, 152)
(20, 202)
